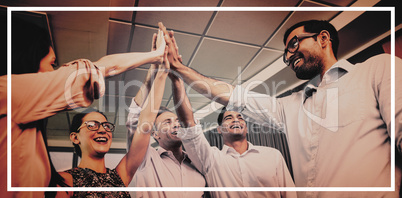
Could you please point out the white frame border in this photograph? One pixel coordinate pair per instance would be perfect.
(391, 9)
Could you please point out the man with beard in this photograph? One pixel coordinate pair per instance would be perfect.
(239, 163)
(338, 127)
(168, 166)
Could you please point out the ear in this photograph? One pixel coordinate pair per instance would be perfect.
(74, 138)
(219, 128)
(324, 38)
(155, 135)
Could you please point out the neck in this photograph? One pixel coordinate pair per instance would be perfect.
(240, 146)
(177, 152)
(327, 64)
(96, 164)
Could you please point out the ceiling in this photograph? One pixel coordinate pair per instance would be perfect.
(242, 47)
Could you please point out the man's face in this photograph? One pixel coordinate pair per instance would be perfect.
(233, 125)
(167, 125)
(307, 60)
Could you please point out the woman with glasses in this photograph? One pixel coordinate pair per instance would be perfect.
(92, 137)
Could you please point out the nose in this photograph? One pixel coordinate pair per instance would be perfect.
(176, 124)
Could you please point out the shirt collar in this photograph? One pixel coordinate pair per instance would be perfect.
(337, 70)
(250, 147)
(162, 151)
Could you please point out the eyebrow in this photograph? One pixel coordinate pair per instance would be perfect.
(228, 116)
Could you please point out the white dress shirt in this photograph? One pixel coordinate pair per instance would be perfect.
(339, 128)
(160, 168)
(257, 167)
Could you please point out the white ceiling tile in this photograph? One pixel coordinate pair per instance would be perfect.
(79, 34)
(193, 22)
(222, 59)
(119, 34)
(178, 3)
(246, 26)
(134, 79)
(279, 82)
(263, 59)
(142, 41)
(142, 38)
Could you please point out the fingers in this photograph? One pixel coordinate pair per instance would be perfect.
(179, 57)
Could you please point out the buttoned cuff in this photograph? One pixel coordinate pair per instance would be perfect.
(191, 132)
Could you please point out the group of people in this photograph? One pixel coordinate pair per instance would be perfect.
(336, 138)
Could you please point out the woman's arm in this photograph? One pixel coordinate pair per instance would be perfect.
(140, 142)
(114, 64)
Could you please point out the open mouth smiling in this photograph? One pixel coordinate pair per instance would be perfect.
(101, 139)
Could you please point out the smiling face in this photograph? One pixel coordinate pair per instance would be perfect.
(307, 60)
(47, 62)
(92, 143)
(167, 125)
(233, 126)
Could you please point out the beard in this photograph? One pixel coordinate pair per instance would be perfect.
(311, 67)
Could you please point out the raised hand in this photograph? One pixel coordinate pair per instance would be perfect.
(159, 46)
(173, 55)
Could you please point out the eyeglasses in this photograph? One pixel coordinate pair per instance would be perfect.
(293, 45)
(94, 125)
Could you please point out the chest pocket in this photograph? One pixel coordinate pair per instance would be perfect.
(337, 108)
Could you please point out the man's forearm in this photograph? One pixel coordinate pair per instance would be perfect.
(182, 103)
(213, 89)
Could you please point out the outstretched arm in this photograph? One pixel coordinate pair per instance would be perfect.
(114, 64)
(140, 142)
(138, 100)
(215, 90)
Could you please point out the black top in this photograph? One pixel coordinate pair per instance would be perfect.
(85, 177)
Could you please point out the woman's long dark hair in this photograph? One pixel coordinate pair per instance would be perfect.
(30, 44)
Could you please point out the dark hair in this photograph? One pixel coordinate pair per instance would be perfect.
(30, 44)
(316, 26)
(161, 110)
(220, 116)
(77, 122)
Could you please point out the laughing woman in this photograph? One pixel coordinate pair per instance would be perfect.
(92, 138)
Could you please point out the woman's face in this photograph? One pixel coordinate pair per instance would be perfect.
(47, 62)
(94, 143)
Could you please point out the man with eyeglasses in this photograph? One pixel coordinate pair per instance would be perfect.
(338, 127)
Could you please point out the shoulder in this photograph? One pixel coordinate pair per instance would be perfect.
(376, 62)
(269, 151)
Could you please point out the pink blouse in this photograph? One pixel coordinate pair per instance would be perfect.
(34, 97)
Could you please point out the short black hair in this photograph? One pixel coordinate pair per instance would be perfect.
(316, 26)
(77, 122)
(220, 116)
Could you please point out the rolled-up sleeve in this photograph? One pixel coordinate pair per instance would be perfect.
(41, 95)
(132, 121)
(197, 147)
